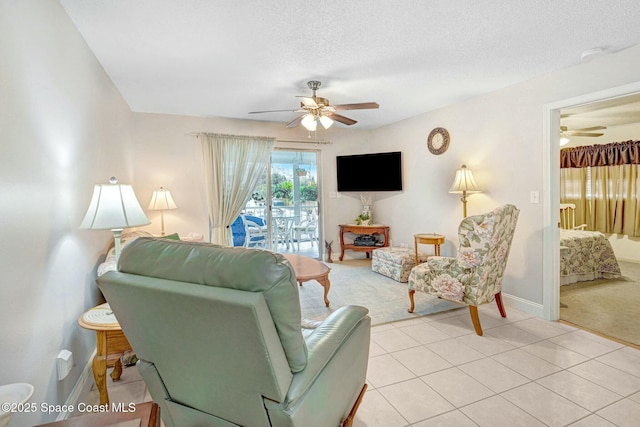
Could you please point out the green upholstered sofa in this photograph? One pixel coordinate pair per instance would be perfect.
(217, 331)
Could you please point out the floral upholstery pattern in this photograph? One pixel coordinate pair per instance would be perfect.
(474, 276)
(589, 256)
(394, 262)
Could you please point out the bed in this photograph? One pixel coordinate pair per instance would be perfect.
(587, 255)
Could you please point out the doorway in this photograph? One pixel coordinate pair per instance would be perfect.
(551, 190)
(287, 199)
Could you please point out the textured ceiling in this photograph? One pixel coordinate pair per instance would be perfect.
(226, 58)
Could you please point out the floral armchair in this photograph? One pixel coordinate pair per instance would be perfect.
(474, 277)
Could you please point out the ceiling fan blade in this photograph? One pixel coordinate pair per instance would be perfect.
(273, 111)
(295, 122)
(591, 128)
(341, 119)
(575, 133)
(308, 102)
(358, 106)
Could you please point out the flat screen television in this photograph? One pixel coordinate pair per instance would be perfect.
(370, 172)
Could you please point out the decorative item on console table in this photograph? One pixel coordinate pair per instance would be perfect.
(366, 216)
(363, 219)
(382, 231)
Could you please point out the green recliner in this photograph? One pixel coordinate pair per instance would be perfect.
(218, 334)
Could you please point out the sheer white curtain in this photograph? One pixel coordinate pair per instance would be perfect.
(233, 165)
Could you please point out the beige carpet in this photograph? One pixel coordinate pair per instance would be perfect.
(609, 307)
(353, 283)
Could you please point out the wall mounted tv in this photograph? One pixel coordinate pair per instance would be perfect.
(370, 172)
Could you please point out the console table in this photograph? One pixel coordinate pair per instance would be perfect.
(362, 229)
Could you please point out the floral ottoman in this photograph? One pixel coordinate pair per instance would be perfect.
(395, 262)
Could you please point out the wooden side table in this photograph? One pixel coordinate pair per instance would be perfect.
(147, 414)
(427, 239)
(110, 345)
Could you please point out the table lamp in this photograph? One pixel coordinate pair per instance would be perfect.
(114, 207)
(463, 184)
(160, 201)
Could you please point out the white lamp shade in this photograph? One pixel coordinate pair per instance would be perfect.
(309, 122)
(113, 206)
(464, 182)
(162, 200)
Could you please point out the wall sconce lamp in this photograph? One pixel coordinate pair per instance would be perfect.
(463, 184)
(114, 207)
(161, 201)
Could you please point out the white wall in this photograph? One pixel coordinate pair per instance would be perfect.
(63, 128)
(626, 248)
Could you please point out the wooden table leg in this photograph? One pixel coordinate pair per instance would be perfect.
(413, 304)
(99, 366)
(326, 284)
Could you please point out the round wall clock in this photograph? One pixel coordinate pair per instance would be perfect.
(438, 141)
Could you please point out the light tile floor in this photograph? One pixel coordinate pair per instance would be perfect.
(434, 371)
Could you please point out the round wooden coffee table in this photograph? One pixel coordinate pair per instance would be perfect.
(310, 269)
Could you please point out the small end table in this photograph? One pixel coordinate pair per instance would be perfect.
(428, 239)
(110, 345)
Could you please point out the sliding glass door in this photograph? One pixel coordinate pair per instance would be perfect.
(286, 199)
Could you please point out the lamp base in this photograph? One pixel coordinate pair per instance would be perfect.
(117, 233)
(162, 222)
(464, 204)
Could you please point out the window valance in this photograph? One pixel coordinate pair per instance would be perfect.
(616, 153)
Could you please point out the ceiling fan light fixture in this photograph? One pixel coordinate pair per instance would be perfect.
(326, 122)
(309, 122)
(564, 140)
(316, 108)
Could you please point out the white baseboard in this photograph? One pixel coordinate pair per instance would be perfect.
(80, 389)
(523, 305)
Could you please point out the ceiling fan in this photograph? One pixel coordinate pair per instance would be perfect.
(317, 109)
(564, 132)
